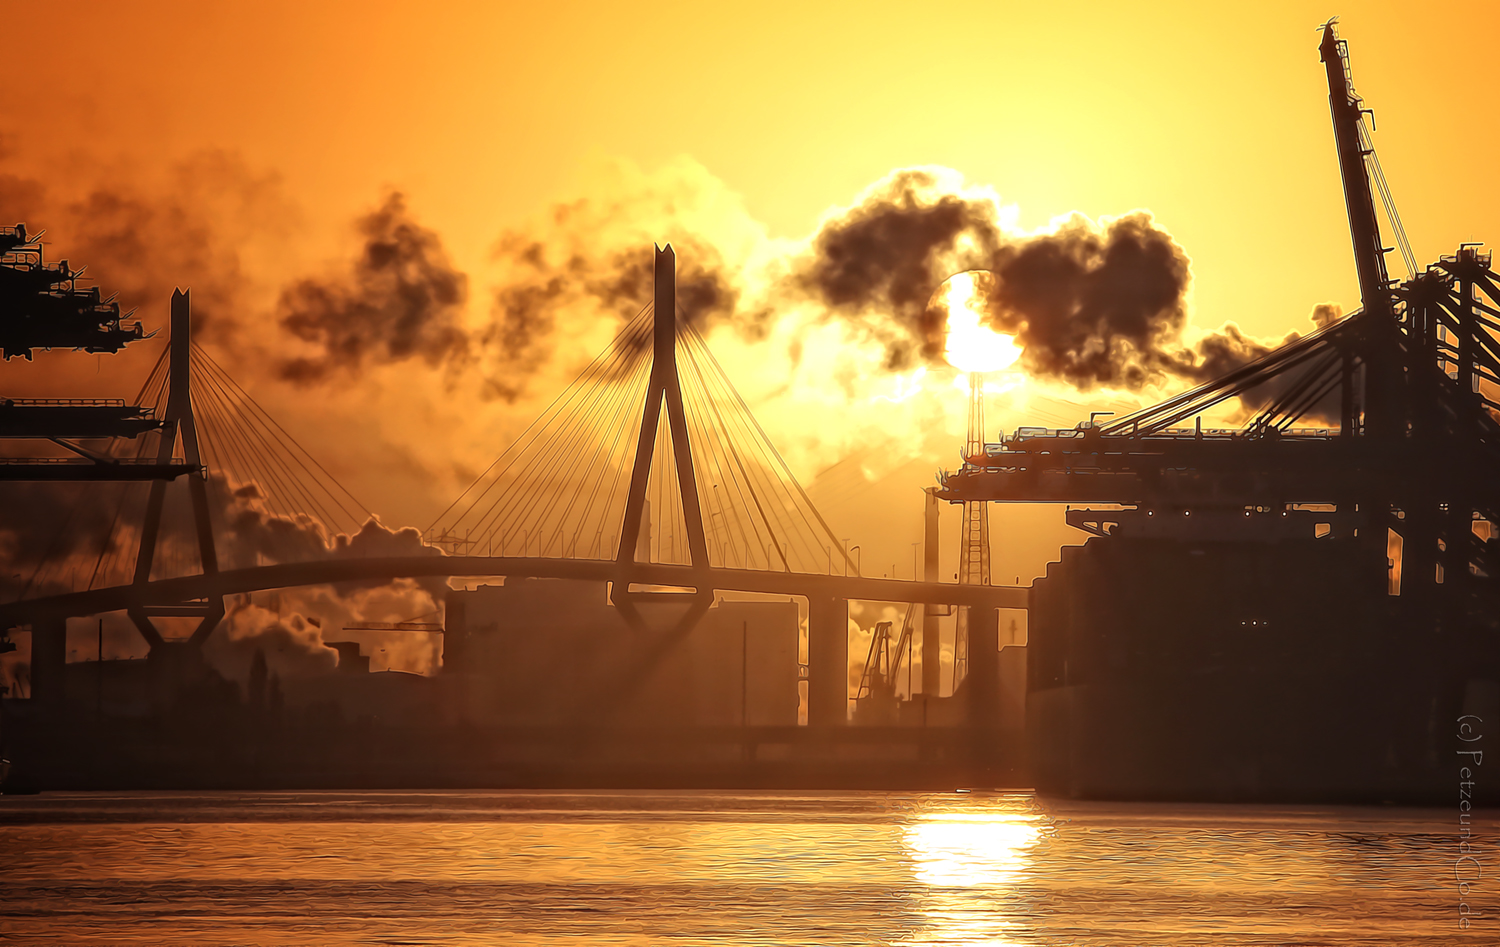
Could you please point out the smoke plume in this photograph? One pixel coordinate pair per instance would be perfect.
(141, 239)
(826, 323)
(401, 300)
(1221, 352)
(1093, 304)
(293, 646)
(879, 262)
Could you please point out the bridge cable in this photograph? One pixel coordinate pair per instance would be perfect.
(770, 531)
(281, 486)
(763, 442)
(620, 425)
(239, 405)
(287, 482)
(531, 479)
(266, 418)
(538, 434)
(538, 420)
(717, 435)
(612, 401)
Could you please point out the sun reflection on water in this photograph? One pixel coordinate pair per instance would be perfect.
(968, 850)
(969, 861)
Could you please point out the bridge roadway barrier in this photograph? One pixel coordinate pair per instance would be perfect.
(328, 571)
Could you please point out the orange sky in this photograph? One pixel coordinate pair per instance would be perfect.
(1214, 117)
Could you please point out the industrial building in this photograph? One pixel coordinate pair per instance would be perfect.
(554, 652)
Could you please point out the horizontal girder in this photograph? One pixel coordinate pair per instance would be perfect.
(330, 571)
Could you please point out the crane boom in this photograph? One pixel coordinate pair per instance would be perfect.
(1378, 344)
(1364, 228)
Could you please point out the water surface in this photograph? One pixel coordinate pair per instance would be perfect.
(719, 868)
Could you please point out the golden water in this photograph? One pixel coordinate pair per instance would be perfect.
(714, 868)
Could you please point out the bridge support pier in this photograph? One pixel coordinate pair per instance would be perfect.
(180, 423)
(827, 661)
(983, 680)
(932, 645)
(49, 658)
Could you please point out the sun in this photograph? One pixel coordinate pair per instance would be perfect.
(971, 346)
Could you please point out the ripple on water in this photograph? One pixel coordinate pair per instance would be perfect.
(715, 868)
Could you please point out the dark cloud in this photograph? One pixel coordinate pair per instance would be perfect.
(1093, 306)
(140, 241)
(402, 300)
(1221, 352)
(885, 257)
(894, 248)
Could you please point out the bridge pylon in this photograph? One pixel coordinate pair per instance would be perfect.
(664, 389)
(179, 426)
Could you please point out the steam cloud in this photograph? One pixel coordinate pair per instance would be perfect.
(1093, 304)
(58, 532)
(889, 253)
(401, 300)
(139, 242)
(251, 533)
(292, 645)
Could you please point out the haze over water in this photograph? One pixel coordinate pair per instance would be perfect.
(721, 868)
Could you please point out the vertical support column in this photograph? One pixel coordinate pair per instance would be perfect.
(664, 388)
(151, 525)
(1459, 529)
(1420, 555)
(182, 399)
(984, 665)
(179, 421)
(49, 658)
(932, 645)
(666, 353)
(827, 661)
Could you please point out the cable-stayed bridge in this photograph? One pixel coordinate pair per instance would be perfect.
(649, 473)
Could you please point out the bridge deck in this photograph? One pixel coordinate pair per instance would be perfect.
(290, 575)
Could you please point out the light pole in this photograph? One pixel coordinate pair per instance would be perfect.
(859, 561)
